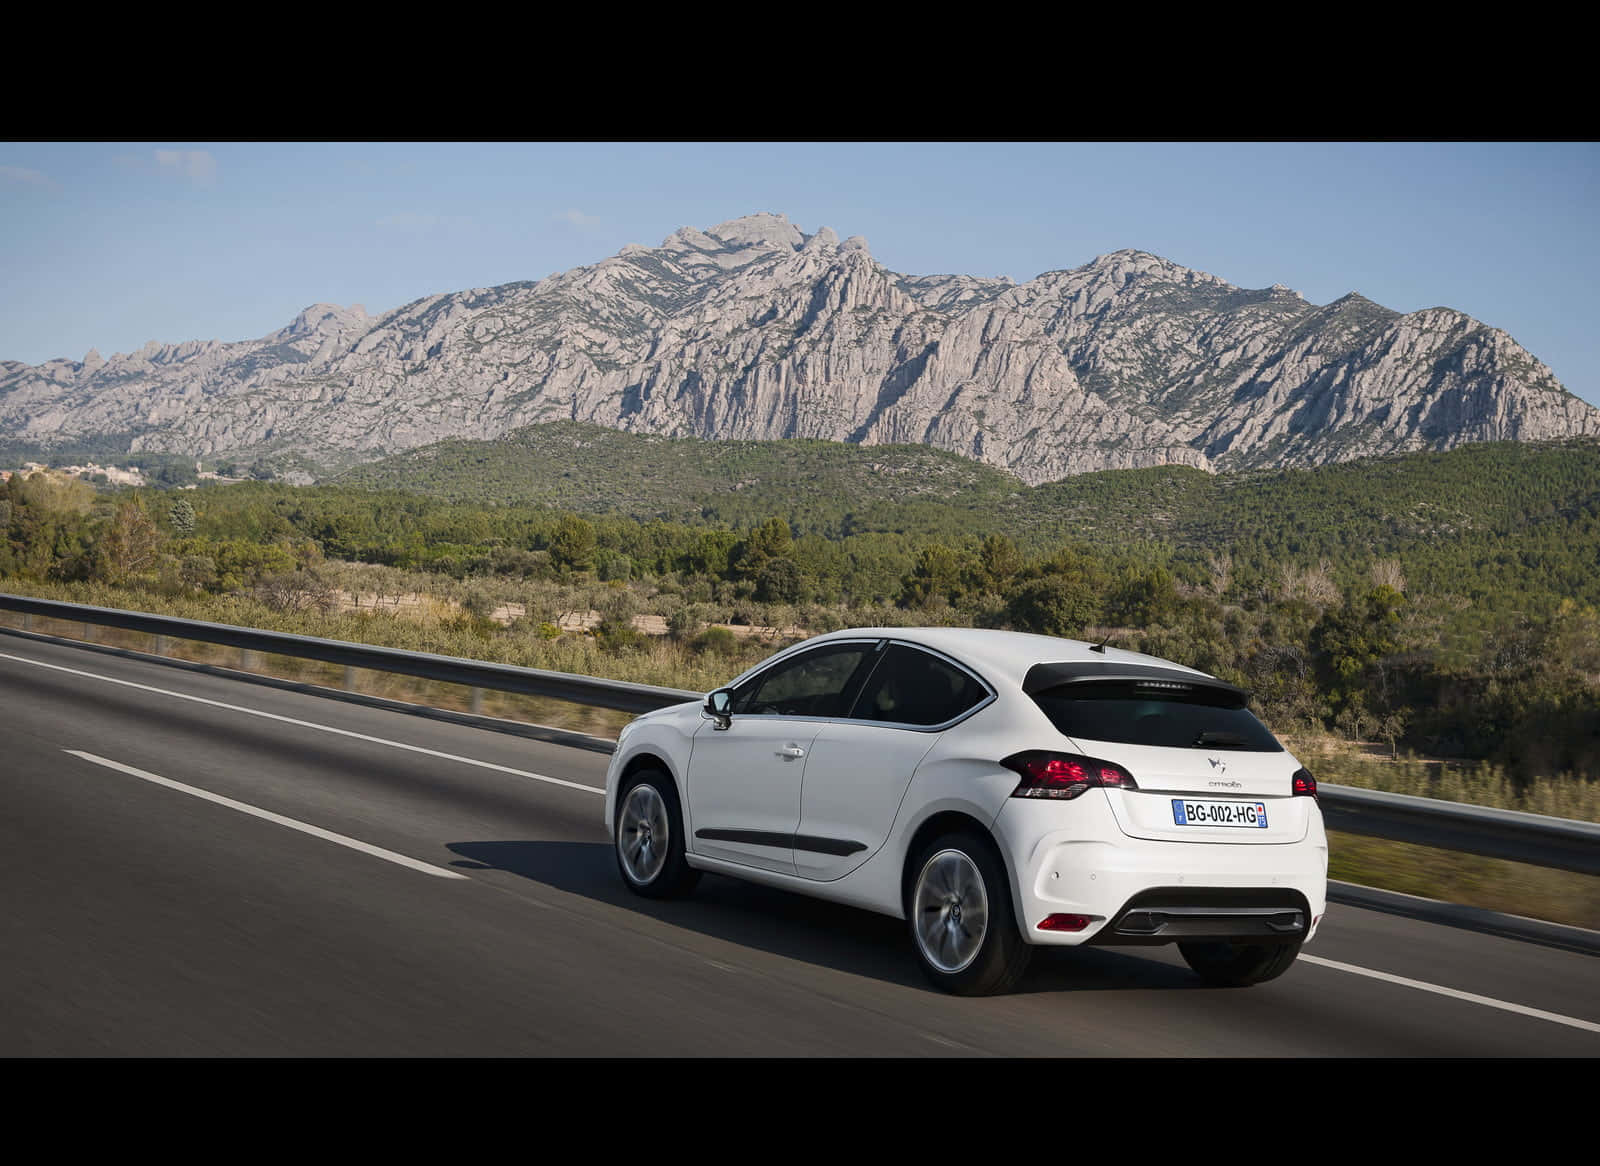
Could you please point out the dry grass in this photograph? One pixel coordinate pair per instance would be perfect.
(1513, 887)
(1475, 783)
(387, 685)
(439, 628)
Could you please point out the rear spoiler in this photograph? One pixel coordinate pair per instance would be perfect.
(1046, 676)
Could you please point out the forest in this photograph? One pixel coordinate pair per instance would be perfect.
(1444, 604)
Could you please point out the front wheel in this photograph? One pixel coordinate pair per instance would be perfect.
(649, 846)
(1238, 965)
(962, 923)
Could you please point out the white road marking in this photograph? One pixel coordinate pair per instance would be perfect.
(311, 725)
(1455, 994)
(256, 811)
(1486, 1001)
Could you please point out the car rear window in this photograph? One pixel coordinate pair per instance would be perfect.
(1134, 713)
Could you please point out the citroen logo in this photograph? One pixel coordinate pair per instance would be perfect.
(1218, 764)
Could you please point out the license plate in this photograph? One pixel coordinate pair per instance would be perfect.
(1250, 815)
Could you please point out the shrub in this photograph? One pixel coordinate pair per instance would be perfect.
(716, 642)
(1053, 606)
(477, 602)
(684, 623)
(615, 636)
(197, 572)
(296, 591)
(779, 581)
(613, 565)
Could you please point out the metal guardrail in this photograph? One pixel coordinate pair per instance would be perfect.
(611, 694)
(1559, 843)
(1537, 839)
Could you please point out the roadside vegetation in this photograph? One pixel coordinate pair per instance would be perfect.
(1428, 624)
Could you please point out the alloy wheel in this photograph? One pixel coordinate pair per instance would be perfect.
(951, 910)
(643, 834)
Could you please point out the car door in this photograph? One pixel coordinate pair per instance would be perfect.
(745, 781)
(859, 768)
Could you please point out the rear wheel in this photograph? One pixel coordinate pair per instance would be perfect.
(1238, 965)
(962, 924)
(650, 851)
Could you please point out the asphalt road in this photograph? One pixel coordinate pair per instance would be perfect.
(450, 902)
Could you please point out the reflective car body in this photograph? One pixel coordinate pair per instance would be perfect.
(839, 759)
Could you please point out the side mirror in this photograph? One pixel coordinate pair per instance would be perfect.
(719, 707)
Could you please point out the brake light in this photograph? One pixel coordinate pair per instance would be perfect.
(1303, 783)
(1064, 775)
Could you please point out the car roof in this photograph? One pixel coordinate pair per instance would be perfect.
(1008, 656)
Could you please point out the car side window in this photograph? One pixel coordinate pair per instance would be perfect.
(913, 687)
(812, 684)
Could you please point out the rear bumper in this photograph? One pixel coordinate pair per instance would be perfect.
(1238, 914)
(1071, 858)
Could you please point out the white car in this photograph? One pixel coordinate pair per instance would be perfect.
(1000, 791)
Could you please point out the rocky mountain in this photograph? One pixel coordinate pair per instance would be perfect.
(753, 329)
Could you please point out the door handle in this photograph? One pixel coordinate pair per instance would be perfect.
(791, 752)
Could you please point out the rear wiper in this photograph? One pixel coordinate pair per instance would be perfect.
(1219, 738)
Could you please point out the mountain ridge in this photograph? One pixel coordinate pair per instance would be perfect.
(755, 330)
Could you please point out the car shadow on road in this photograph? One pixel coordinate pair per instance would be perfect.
(798, 927)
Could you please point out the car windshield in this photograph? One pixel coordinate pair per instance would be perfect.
(1127, 713)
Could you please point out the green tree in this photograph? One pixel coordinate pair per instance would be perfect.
(770, 540)
(1056, 605)
(1352, 638)
(938, 574)
(572, 544)
(197, 572)
(611, 564)
(49, 529)
(999, 561)
(1146, 599)
(182, 517)
(780, 581)
(711, 553)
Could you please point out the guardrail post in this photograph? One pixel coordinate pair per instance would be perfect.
(247, 660)
(27, 621)
(88, 632)
(477, 701)
(349, 678)
(160, 646)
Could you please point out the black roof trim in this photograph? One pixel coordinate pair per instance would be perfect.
(1045, 676)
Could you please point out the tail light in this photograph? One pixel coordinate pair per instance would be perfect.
(1303, 784)
(1064, 775)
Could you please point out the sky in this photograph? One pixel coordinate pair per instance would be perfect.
(109, 245)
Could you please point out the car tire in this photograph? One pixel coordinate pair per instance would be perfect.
(1238, 965)
(954, 880)
(649, 837)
